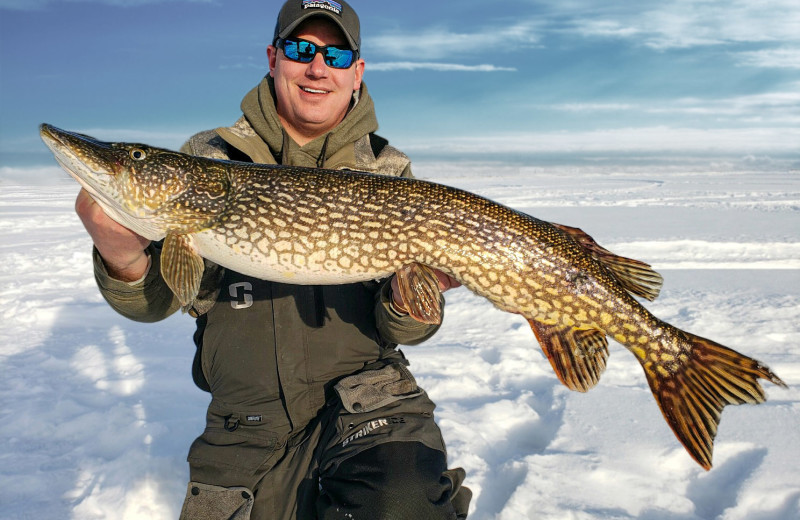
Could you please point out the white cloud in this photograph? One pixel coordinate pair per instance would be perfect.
(656, 139)
(779, 102)
(30, 5)
(606, 28)
(780, 58)
(441, 67)
(778, 107)
(439, 42)
(658, 24)
(591, 107)
(687, 23)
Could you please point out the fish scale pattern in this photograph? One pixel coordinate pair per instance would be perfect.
(312, 226)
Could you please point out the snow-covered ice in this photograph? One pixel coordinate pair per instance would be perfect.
(97, 412)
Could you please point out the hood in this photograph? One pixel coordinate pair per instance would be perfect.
(258, 106)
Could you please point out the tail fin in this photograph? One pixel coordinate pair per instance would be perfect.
(692, 396)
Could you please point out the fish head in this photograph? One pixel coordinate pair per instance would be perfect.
(152, 191)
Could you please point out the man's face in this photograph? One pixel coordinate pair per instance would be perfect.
(312, 97)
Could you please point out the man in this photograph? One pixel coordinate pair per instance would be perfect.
(313, 412)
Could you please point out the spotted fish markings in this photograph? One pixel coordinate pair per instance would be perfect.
(314, 226)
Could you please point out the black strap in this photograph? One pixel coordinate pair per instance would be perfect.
(377, 143)
(197, 364)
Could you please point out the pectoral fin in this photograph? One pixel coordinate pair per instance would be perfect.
(419, 288)
(578, 356)
(181, 267)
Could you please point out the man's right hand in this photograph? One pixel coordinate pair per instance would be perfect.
(122, 250)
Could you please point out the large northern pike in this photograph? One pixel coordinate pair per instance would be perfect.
(314, 226)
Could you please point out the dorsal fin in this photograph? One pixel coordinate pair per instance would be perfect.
(578, 356)
(636, 277)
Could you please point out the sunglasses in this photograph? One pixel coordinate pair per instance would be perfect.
(304, 52)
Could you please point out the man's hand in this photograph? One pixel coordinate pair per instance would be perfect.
(122, 250)
(446, 282)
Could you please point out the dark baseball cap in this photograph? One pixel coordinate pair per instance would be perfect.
(295, 12)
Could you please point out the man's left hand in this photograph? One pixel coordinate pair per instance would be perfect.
(446, 282)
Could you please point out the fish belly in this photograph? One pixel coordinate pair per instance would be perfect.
(284, 266)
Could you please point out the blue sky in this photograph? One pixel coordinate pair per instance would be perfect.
(535, 81)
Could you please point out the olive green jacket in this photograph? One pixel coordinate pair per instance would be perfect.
(273, 348)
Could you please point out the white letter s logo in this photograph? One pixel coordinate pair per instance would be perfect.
(242, 294)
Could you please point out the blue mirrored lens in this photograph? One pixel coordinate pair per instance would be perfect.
(304, 52)
(338, 58)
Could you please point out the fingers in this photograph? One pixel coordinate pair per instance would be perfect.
(84, 203)
(93, 217)
(101, 227)
(446, 282)
(122, 250)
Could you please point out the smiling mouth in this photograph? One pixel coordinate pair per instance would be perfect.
(314, 90)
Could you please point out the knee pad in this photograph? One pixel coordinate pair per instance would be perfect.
(204, 501)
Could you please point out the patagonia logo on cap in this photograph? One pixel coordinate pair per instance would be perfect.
(330, 5)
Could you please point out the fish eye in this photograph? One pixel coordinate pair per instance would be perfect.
(137, 154)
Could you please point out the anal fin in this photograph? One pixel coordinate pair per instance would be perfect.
(181, 267)
(419, 288)
(636, 277)
(578, 356)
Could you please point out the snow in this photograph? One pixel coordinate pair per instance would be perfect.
(97, 412)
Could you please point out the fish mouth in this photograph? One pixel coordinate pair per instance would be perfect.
(57, 139)
(94, 165)
(81, 157)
